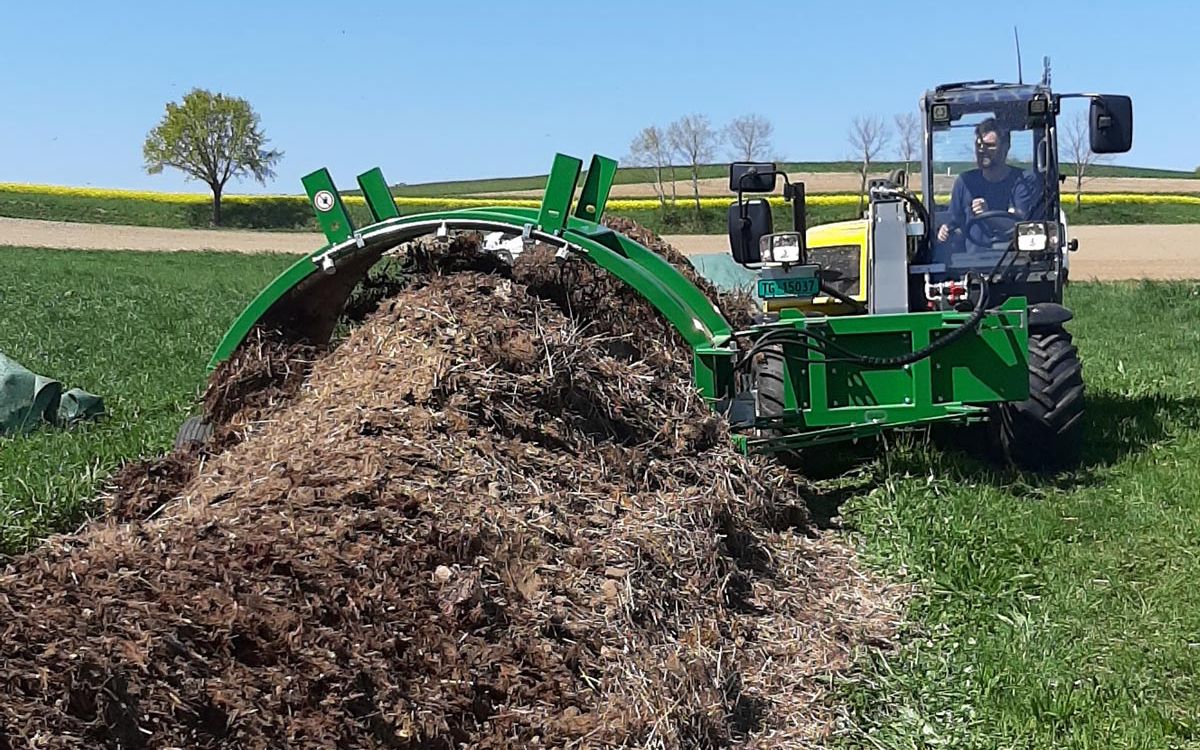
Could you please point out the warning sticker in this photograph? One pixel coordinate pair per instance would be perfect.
(323, 200)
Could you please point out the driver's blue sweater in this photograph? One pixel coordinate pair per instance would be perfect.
(1018, 191)
(1015, 191)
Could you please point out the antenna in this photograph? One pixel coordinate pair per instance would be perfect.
(1046, 71)
(1018, 41)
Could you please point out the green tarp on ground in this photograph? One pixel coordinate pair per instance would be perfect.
(29, 400)
(724, 272)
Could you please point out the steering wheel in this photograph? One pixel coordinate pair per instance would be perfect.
(986, 222)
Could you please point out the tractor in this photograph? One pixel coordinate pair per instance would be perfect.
(915, 257)
(865, 326)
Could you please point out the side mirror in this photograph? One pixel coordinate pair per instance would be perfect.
(749, 222)
(1110, 124)
(752, 177)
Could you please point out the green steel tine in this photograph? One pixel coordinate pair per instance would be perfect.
(560, 191)
(379, 198)
(331, 212)
(600, 176)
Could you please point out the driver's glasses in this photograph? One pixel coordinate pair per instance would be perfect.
(989, 147)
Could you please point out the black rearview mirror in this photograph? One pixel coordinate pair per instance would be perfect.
(749, 222)
(752, 177)
(1110, 124)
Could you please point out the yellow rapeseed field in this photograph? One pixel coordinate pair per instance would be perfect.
(618, 204)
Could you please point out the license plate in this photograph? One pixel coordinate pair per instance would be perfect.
(804, 287)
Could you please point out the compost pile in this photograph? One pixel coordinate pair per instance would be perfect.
(495, 514)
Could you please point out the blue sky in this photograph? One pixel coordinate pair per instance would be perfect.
(454, 90)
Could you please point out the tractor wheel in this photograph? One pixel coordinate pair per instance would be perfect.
(194, 432)
(817, 462)
(768, 399)
(1045, 432)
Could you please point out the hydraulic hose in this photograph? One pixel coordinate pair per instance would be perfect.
(843, 298)
(970, 324)
(804, 339)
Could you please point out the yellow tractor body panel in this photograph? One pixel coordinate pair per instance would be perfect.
(841, 251)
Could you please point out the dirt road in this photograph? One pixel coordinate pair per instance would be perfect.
(1105, 252)
(61, 234)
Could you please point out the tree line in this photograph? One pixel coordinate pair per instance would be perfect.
(691, 142)
(213, 138)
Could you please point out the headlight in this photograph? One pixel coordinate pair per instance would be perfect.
(1036, 236)
(1031, 237)
(783, 247)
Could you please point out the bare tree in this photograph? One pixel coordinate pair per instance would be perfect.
(868, 136)
(909, 133)
(638, 156)
(1078, 150)
(749, 137)
(693, 139)
(649, 149)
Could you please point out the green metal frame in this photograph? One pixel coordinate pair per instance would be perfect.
(825, 401)
(680, 301)
(831, 400)
(600, 176)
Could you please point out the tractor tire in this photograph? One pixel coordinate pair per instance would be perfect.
(1045, 432)
(768, 401)
(193, 432)
(768, 398)
(816, 462)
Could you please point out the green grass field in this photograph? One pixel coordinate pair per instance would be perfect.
(278, 215)
(134, 328)
(1051, 613)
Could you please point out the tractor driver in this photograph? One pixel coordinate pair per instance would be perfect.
(994, 186)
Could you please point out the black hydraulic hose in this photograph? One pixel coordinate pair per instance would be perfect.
(968, 325)
(912, 200)
(802, 338)
(843, 298)
(779, 335)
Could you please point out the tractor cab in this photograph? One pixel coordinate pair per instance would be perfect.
(991, 164)
(987, 209)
